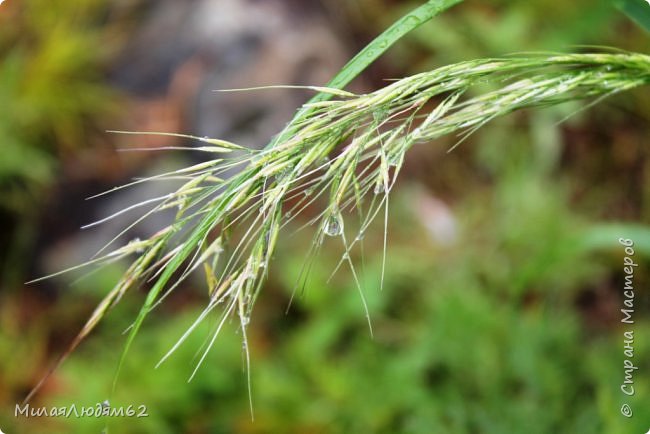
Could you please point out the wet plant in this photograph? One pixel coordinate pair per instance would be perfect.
(341, 154)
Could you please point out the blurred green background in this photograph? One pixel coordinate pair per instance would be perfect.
(500, 311)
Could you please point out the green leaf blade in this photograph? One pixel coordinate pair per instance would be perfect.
(637, 10)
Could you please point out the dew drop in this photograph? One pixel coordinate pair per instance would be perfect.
(334, 225)
(182, 201)
(134, 242)
(325, 161)
(379, 187)
(413, 20)
(394, 160)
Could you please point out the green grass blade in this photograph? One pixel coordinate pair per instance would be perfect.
(370, 53)
(637, 10)
(383, 42)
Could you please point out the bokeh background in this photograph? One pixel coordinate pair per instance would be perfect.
(500, 311)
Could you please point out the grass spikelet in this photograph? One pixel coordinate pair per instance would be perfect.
(343, 155)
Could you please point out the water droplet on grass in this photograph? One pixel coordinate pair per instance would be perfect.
(182, 202)
(394, 160)
(413, 20)
(334, 225)
(324, 161)
(135, 243)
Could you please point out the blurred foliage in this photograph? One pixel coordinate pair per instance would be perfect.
(50, 86)
(515, 327)
(53, 97)
(484, 336)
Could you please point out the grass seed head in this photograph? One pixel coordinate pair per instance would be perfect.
(353, 146)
